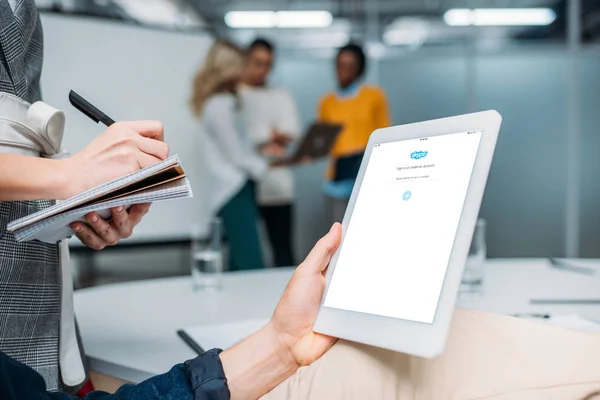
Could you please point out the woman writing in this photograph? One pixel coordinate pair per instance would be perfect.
(37, 322)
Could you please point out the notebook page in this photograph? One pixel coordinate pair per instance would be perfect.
(94, 193)
(137, 190)
(166, 175)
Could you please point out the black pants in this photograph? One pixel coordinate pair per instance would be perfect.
(278, 220)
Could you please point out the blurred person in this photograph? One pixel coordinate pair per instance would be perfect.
(272, 124)
(361, 109)
(487, 356)
(233, 165)
(37, 324)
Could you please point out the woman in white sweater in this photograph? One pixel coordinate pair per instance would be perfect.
(231, 164)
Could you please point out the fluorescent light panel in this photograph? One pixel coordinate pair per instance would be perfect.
(410, 32)
(499, 17)
(278, 19)
(159, 12)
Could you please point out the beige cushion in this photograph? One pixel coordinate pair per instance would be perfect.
(487, 356)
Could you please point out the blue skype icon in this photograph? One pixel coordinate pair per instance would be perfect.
(407, 195)
(417, 155)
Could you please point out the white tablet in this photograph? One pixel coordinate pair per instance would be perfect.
(393, 282)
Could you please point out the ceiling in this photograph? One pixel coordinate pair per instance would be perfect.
(364, 20)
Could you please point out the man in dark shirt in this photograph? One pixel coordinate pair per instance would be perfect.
(248, 370)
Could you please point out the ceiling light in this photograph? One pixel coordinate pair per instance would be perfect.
(376, 50)
(160, 12)
(250, 19)
(411, 32)
(304, 19)
(278, 19)
(499, 17)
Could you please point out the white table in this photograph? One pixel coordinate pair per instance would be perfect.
(129, 329)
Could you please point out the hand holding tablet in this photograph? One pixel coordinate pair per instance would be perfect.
(407, 230)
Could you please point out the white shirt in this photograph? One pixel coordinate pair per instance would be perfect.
(227, 158)
(265, 109)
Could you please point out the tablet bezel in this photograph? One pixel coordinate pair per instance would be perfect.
(417, 338)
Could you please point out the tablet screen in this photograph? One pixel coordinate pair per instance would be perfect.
(398, 243)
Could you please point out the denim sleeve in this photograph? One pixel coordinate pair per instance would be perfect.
(199, 379)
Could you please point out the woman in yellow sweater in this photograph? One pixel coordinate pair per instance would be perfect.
(361, 109)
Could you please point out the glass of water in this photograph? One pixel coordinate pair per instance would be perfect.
(207, 257)
(472, 279)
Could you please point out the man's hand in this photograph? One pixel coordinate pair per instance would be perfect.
(297, 310)
(101, 233)
(263, 360)
(281, 138)
(123, 148)
(271, 149)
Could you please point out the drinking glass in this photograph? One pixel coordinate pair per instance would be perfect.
(472, 279)
(207, 257)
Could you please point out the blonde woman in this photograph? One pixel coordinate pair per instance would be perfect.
(231, 163)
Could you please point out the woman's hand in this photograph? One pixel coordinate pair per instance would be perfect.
(123, 148)
(101, 233)
(297, 310)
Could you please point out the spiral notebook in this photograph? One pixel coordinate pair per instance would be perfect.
(162, 181)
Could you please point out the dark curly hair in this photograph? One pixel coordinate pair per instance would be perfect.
(357, 51)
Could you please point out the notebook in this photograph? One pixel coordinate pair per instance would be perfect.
(162, 181)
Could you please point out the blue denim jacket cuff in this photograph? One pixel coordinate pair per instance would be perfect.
(207, 376)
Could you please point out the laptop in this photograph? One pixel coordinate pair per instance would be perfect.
(317, 142)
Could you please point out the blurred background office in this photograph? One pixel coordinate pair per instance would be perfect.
(535, 61)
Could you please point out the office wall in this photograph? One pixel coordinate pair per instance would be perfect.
(590, 156)
(524, 201)
(525, 197)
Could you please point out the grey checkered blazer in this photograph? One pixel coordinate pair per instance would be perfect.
(30, 277)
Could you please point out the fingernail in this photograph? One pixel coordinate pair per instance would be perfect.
(94, 218)
(332, 226)
(77, 228)
(120, 209)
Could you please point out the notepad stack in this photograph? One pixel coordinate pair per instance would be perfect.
(163, 181)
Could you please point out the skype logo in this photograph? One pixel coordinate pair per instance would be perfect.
(417, 155)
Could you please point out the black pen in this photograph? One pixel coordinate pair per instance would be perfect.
(88, 109)
(190, 342)
(542, 316)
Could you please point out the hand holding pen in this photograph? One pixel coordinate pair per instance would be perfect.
(123, 148)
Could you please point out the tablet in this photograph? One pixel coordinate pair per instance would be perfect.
(318, 141)
(394, 280)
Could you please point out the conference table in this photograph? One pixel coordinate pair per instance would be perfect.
(129, 329)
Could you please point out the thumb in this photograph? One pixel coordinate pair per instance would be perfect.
(319, 257)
